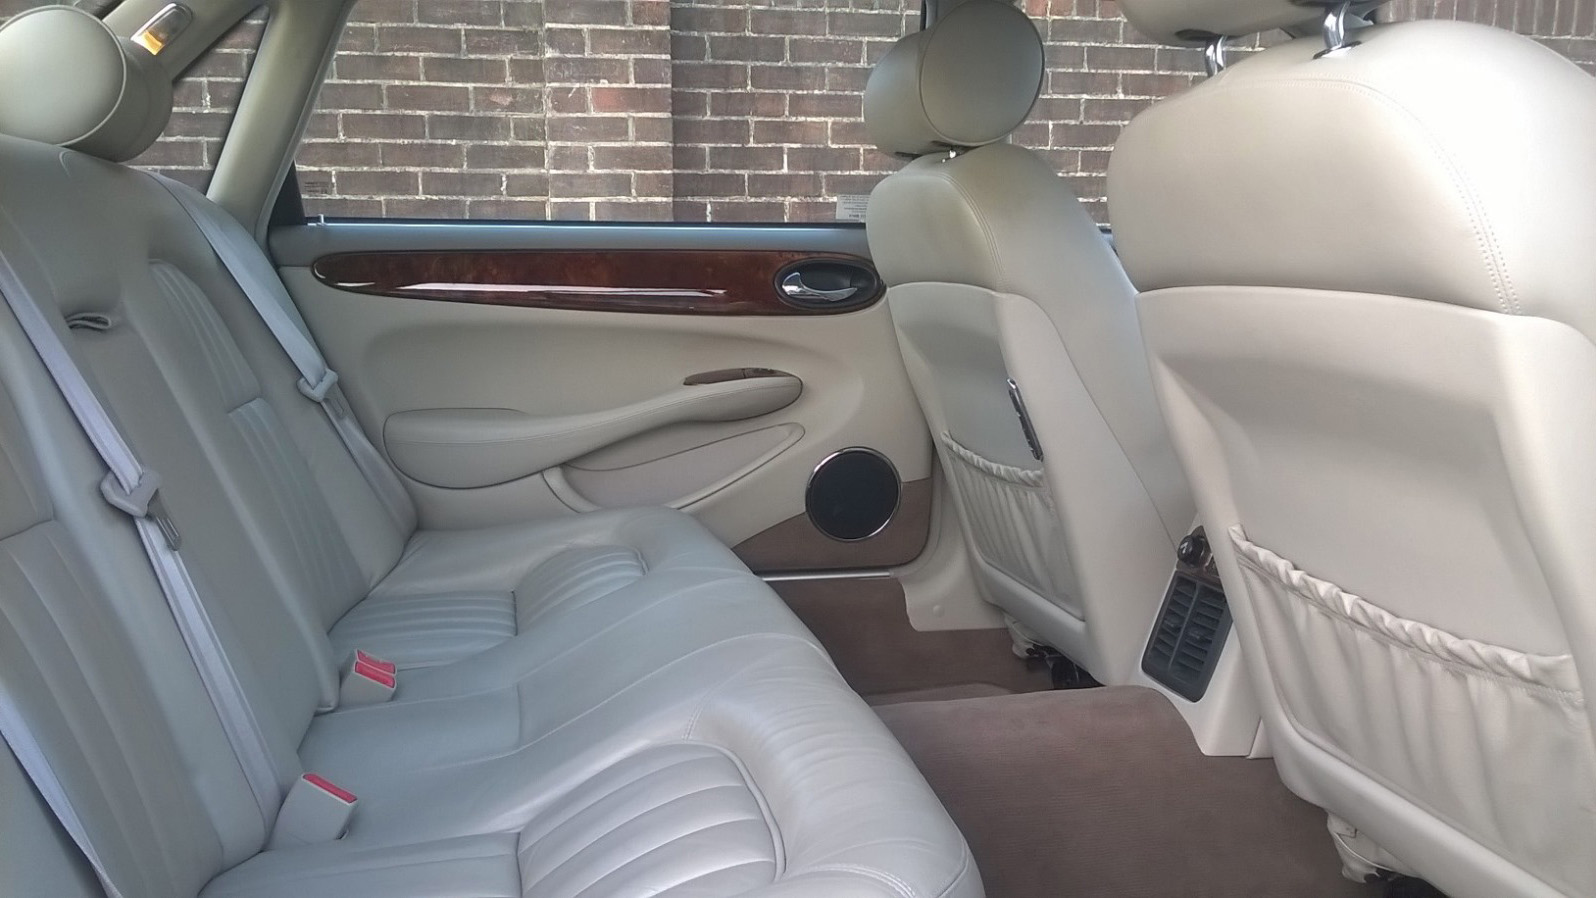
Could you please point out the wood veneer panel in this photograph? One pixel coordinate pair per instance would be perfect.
(681, 282)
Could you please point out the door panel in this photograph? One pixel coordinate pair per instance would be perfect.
(463, 448)
(672, 369)
(664, 477)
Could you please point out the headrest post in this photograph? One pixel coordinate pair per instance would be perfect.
(1335, 29)
(1214, 55)
(1194, 23)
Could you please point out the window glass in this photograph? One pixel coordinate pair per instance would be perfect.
(700, 110)
(598, 110)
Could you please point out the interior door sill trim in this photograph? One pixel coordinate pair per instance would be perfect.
(789, 577)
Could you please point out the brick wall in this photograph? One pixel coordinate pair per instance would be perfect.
(599, 109)
(767, 103)
(730, 110)
(693, 110)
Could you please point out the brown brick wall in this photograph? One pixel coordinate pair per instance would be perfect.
(737, 110)
(767, 103)
(750, 110)
(693, 110)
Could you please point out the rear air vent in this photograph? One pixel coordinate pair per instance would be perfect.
(1191, 630)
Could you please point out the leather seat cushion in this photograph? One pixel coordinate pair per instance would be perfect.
(704, 776)
(454, 594)
(682, 816)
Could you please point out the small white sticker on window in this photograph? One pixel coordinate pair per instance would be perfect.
(851, 206)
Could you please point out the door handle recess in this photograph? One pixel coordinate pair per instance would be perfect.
(793, 287)
(831, 284)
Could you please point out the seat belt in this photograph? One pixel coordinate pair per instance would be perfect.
(36, 764)
(317, 381)
(134, 489)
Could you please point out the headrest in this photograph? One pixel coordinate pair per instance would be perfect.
(66, 79)
(1189, 22)
(968, 80)
(1436, 160)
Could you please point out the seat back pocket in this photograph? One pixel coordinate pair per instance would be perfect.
(1492, 740)
(1013, 522)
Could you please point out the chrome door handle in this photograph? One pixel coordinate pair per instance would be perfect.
(793, 287)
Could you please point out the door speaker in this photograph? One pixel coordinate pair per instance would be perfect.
(853, 494)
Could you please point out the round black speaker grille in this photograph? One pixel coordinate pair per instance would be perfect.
(853, 494)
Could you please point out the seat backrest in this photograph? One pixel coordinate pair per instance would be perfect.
(280, 526)
(278, 529)
(995, 272)
(1369, 302)
(135, 743)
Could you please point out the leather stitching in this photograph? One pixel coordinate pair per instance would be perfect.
(532, 670)
(902, 888)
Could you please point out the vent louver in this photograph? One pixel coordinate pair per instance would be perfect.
(1191, 629)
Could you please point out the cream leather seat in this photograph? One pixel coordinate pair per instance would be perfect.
(1370, 305)
(996, 273)
(603, 704)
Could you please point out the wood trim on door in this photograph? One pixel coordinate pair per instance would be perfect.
(677, 282)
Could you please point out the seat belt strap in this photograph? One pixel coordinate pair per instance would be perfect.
(35, 762)
(135, 490)
(317, 381)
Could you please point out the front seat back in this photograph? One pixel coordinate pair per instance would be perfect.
(1370, 301)
(996, 276)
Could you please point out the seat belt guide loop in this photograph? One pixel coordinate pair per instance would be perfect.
(143, 501)
(318, 392)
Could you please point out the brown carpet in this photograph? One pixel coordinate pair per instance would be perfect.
(1076, 794)
(864, 626)
(1102, 792)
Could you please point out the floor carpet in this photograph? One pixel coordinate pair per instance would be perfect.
(1102, 792)
(1090, 793)
(865, 628)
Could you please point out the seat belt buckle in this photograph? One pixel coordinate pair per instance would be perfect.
(367, 680)
(315, 811)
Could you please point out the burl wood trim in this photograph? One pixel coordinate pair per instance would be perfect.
(676, 282)
(796, 545)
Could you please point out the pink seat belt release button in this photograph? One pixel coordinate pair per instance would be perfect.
(367, 680)
(315, 811)
(363, 657)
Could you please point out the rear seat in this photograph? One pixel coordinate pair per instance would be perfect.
(608, 704)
